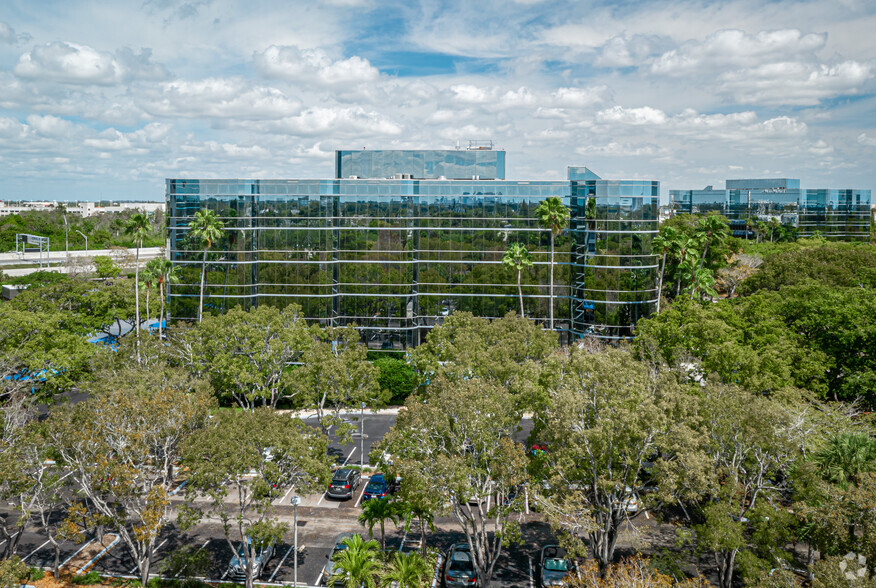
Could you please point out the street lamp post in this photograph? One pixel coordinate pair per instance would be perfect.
(86, 239)
(362, 435)
(296, 500)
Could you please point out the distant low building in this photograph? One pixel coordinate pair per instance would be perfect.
(81, 208)
(837, 214)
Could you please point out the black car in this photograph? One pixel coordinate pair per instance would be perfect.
(344, 483)
(377, 488)
(459, 571)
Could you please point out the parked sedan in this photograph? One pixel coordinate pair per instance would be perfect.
(459, 571)
(376, 488)
(344, 483)
(553, 566)
(237, 566)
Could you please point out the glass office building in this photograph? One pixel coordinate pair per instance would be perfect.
(839, 214)
(400, 239)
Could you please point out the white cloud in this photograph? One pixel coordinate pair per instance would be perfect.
(313, 66)
(615, 149)
(9, 36)
(865, 139)
(644, 115)
(735, 48)
(580, 97)
(218, 98)
(68, 63)
(470, 94)
(338, 122)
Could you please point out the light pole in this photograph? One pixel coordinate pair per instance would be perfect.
(86, 239)
(362, 436)
(296, 500)
(66, 246)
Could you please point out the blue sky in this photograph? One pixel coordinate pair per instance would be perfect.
(104, 100)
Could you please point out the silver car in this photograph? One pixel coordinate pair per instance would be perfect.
(553, 566)
(237, 567)
(459, 570)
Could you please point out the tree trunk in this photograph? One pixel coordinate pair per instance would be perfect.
(660, 282)
(520, 293)
(57, 566)
(552, 283)
(203, 277)
(137, 290)
(161, 313)
(382, 535)
(147, 309)
(144, 569)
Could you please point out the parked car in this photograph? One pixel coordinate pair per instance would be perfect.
(553, 566)
(459, 568)
(329, 569)
(376, 488)
(237, 566)
(344, 483)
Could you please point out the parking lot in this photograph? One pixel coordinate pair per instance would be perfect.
(320, 521)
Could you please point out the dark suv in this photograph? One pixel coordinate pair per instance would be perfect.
(344, 483)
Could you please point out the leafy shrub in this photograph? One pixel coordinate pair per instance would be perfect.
(87, 579)
(36, 574)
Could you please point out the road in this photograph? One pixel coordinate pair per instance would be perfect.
(8, 261)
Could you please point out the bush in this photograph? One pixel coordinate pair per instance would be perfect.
(396, 378)
(87, 579)
(185, 562)
(12, 572)
(36, 574)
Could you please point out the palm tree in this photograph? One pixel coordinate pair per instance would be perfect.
(686, 249)
(376, 511)
(407, 570)
(711, 229)
(518, 257)
(357, 565)
(139, 227)
(552, 216)
(167, 274)
(846, 456)
(150, 278)
(207, 229)
(665, 241)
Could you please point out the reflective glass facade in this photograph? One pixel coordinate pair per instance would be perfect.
(394, 256)
(483, 164)
(836, 214)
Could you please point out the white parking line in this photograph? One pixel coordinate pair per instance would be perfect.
(358, 500)
(531, 580)
(134, 569)
(319, 579)
(402, 544)
(35, 550)
(349, 456)
(287, 494)
(271, 579)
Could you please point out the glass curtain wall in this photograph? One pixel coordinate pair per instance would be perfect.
(390, 256)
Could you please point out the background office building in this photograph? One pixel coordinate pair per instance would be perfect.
(840, 214)
(400, 239)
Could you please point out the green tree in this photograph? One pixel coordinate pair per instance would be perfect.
(248, 355)
(552, 216)
(517, 257)
(377, 511)
(106, 267)
(12, 572)
(396, 377)
(663, 243)
(456, 452)
(407, 570)
(712, 231)
(207, 229)
(151, 277)
(120, 447)
(336, 376)
(846, 457)
(608, 414)
(242, 462)
(358, 565)
(138, 227)
(167, 273)
(507, 351)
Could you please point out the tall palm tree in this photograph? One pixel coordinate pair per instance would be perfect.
(685, 248)
(357, 565)
(150, 278)
(552, 216)
(207, 229)
(711, 230)
(664, 242)
(139, 227)
(380, 511)
(407, 570)
(168, 274)
(518, 257)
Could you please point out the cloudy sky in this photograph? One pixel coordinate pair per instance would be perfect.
(104, 99)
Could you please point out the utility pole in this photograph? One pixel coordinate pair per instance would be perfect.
(296, 500)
